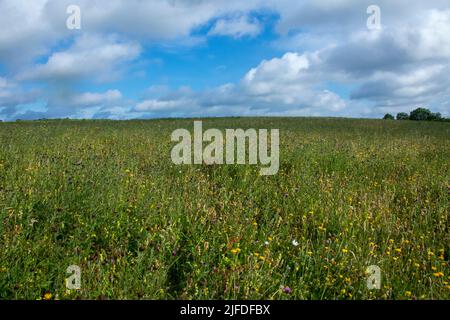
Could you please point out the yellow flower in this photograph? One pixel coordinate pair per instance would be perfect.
(344, 250)
(47, 296)
(408, 293)
(235, 251)
(309, 253)
(398, 250)
(438, 274)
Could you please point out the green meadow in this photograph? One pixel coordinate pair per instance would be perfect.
(105, 196)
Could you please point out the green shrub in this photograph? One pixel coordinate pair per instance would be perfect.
(402, 116)
(421, 114)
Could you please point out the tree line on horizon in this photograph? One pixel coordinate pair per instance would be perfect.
(419, 114)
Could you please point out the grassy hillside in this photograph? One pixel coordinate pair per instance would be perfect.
(105, 196)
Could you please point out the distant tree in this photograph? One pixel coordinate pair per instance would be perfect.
(436, 117)
(388, 116)
(402, 116)
(421, 114)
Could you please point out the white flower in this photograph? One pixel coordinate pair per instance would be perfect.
(294, 243)
(266, 243)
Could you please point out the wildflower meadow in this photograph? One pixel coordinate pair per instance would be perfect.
(106, 197)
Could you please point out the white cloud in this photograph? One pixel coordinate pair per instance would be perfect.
(433, 35)
(397, 67)
(90, 56)
(25, 31)
(404, 64)
(11, 94)
(93, 99)
(5, 88)
(236, 27)
(276, 74)
(160, 105)
(29, 28)
(280, 86)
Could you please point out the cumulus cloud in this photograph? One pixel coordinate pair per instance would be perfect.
(236, 27)
(5, 87)
(398, 67)
(30, 28)
(25, 31)
(160, 105)
(395, 69)
(12, 96)
(323, 47)
(341, 17)
(92, 99)
(280, 86)
(89, 56)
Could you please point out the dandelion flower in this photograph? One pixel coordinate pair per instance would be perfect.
(47, 296)
(235, 251)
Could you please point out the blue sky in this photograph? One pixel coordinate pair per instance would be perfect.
(192, 58)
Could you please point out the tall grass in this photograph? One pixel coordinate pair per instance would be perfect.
(105, 196)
